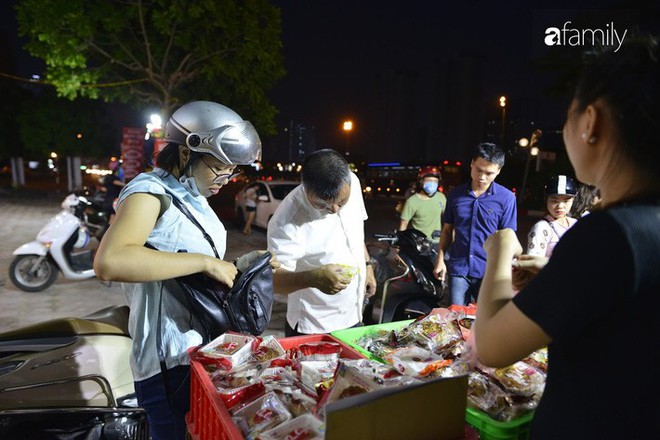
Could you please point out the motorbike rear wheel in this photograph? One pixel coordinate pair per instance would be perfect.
(32, 281)
(413, 309)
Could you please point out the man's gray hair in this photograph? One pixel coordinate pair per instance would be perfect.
(324, 173)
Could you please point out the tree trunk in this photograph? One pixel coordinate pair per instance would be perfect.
(74, 178)
(17, 172)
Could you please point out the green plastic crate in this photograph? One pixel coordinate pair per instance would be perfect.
(487, 427)
(490, 429)
(351, 335)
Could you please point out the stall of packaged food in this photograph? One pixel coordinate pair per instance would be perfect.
(361, 383)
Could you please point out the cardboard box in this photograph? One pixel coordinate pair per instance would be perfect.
(430, 410)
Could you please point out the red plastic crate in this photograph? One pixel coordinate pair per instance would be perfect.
(208, 418)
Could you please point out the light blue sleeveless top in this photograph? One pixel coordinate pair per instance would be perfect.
(173, 232)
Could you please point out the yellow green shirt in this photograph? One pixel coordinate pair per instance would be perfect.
(424, 214)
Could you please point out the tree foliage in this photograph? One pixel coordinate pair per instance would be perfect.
(82, 127)
(160, 52)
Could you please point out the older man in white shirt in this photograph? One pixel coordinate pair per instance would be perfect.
(317, 235)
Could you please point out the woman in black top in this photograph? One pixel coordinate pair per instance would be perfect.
(595, 303)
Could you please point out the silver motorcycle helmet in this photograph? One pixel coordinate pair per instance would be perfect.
(209, 127)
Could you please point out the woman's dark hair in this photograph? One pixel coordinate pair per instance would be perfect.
(627, 79)
(584, 201)
(490, 152)
(168, 157)
(324, 173)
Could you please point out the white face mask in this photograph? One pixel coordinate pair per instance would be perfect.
(190, 184)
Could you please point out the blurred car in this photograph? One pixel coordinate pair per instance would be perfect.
(269, 195)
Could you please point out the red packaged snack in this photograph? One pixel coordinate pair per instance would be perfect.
(236, 379)
(263, 414)
(238, 397)
(268, 350)
(228, 350)
(319, 351)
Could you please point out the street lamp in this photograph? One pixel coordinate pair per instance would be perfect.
(347, 127)
(55, 165)
(503, 105)
(154, 126)
(533, 151)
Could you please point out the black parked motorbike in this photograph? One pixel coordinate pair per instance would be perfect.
(407, 288)
(90, 209)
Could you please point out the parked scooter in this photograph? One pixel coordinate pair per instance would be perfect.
(70, 378)
(63, 244)
(407, 288)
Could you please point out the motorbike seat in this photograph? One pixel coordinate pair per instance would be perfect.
(116, 316)
(111, 320)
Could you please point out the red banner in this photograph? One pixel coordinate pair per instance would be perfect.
(132, 151)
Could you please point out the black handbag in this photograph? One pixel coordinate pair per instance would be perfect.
(245, 308)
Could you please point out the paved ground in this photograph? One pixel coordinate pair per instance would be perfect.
(20, 220)
(22, 215)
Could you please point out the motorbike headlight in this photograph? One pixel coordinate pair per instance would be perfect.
(8, 367)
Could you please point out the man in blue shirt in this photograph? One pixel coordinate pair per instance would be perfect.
(475, 210)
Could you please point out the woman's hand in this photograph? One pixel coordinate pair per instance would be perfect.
(244, 261)
(525, 268)
(221, 270)
(530, 263)
(504, 240)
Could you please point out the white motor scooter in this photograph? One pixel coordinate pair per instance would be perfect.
(70, 378)
(61, 245)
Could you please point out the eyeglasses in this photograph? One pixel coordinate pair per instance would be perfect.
(222, 179)
(324, 205)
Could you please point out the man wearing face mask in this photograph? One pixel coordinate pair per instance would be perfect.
(423, 210)
(317, 235)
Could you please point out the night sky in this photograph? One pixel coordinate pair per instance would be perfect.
(335, 51)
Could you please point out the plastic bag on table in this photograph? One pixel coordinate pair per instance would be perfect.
(519, 379)
(296, 400)
(485, 395)
(437, 331)
(381, 374)
(304, 427)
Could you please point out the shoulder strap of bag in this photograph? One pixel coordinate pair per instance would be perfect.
(179, 204)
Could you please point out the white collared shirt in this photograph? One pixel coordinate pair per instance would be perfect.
(304, 238)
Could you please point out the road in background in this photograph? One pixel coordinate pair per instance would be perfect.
(23, 214)
(20, 220)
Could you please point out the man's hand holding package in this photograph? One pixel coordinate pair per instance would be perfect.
(370, 287)
(330, 278)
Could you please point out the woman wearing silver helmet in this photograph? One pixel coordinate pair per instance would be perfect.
(206, 141)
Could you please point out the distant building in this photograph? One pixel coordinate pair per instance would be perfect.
(430, 114)
(292, 144)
